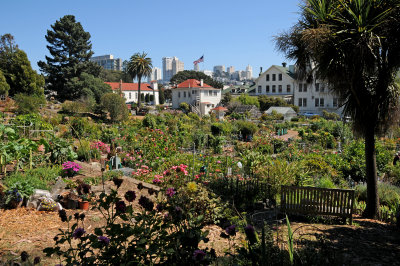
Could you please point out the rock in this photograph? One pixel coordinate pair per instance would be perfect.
(58, 188)
(33, 201)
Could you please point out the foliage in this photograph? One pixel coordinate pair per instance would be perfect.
(87, 87)
(389, 195)
(4, 87)
(330, 116)
(139, 66)
(184, 107)
(165, 235)
(115, 106)
(70, 50)
(226, 99)
(161, 94)
(28, 104)
(107, 75)
(17, 70)
(245, 99)
(59, 149)
(191, 74)
(70, 168)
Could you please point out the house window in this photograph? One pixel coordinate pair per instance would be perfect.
(280, 76)
(267, 88)
(319, 102)
(288, 88)
(300, 87)
(179, 94)
(316, 86)
(189, 94)
(302, 102)
(280, 88)
(273, 88)
(259, 89)
(322, 88)
(212, 105)
(335, 102)
(273, 77)
(209, 93)
(194, 92)
(267, 77)
(215, 93)
(305, 87)
(184, 94)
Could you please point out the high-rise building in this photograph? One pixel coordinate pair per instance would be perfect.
(167, 68)
(177, 66)
(155, 75)
(249, 71)
(108, 62)
(219, 69)
(231, 69)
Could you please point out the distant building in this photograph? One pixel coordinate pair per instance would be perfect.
(167, 68)
(287, 112)
(230, 70)
(201, 96)
(155, 75)
(219, 69)
(196, 67)
(131, 93)
(177, 66)
(249, 70)
(208, 72)
(108, 62)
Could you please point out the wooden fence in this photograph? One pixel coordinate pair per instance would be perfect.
(317, 201)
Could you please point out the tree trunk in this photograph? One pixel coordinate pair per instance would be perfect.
(372, 209)
(139, 92)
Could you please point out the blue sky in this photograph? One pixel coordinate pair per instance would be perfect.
(228, 33)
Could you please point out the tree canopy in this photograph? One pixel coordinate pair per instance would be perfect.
(139, 66)
(354, 46)
(115, 105)
(70, 50)
(191, 74)
(17, 70)
(87, 86)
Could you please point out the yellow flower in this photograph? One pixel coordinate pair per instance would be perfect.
(192, 187)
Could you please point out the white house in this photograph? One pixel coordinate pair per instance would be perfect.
(315, 97)
(199, 95)
(131, 93)
(276, 81)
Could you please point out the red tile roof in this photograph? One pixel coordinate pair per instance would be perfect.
(130, 86)
(220, 108)
(192, 83)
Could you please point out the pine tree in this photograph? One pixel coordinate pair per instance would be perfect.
(70, 51)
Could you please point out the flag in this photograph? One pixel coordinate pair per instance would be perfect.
(201, 59)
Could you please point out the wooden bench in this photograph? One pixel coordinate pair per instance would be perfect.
(317, 201)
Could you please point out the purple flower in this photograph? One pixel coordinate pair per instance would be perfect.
(36, 260)
(120, 206)
(104, 240)
(117, 181)
(170, 192)
(130, 195)
(78, 233)
(24, 256)
(199, 255)
(146, 203)
(231, 230)
(250, 233)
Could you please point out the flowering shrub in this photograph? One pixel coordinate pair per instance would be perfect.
(166, 234)
(100, 146)
(174, 176)
(70, 168)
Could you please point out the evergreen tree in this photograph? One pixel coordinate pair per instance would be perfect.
(161, 96)
(17, 70)
(70, 51)
(4, 87)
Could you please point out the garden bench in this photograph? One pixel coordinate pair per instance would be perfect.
(317, 201)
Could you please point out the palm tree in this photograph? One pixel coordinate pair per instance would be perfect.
(355, 46)
(139, 66)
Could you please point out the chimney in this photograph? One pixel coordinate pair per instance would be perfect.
(284, 64)
(201, 83)
(260, 71)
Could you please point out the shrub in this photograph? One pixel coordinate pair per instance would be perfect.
(184, 107)
(115, 106)
(389, 195)
(28, 104)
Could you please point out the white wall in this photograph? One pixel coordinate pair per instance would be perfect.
(262, 81)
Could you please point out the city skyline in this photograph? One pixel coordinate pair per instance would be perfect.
(163, 33)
